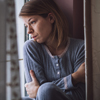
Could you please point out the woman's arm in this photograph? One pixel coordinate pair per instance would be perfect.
(33, 86)
(79, 75)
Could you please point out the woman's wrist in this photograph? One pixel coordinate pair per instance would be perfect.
(75, 78)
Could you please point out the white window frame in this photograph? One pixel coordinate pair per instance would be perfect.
(20, 42)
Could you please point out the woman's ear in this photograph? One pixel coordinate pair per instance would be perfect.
(51, 17)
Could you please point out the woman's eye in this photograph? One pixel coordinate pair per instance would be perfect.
(32, 22)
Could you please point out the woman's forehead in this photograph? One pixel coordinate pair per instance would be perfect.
(28, 18)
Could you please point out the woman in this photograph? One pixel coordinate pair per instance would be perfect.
(54, 63)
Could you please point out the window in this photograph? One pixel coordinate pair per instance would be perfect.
(22, 36)
(20, 41)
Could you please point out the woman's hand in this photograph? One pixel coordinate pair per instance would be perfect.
(33, 86)
(79, 75)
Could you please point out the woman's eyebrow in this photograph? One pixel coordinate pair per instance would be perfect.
(30, 19)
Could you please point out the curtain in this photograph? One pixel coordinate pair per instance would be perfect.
(9, 66)
(2, 51)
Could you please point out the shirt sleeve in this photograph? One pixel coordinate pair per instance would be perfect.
(32, 62)
(79, 59)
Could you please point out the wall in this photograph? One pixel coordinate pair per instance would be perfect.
(78, 29)
(73, 10)
(95, 16)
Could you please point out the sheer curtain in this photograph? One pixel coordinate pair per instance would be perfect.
(9, 66)
(2, 50)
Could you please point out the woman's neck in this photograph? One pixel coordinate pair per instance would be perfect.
(53, 48)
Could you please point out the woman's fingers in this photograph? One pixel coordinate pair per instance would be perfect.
(26, 85)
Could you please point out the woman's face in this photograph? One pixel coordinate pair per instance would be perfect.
(40, 28)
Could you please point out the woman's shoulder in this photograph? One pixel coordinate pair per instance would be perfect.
(31, 44)
(76, 47)
(76, 42)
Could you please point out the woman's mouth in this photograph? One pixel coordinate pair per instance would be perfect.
(34, 37)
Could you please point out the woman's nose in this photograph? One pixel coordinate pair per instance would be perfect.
(29, 29)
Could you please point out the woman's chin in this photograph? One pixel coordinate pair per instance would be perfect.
(38, 41)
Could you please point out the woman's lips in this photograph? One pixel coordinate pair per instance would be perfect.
(34, 37)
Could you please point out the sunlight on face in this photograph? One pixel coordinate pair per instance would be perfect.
(40, 28)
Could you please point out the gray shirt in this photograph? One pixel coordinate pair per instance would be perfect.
(56, 69)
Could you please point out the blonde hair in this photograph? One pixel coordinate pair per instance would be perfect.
(43, 8)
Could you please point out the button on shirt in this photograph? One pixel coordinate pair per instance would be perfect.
(57, 64)
(58, 72)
